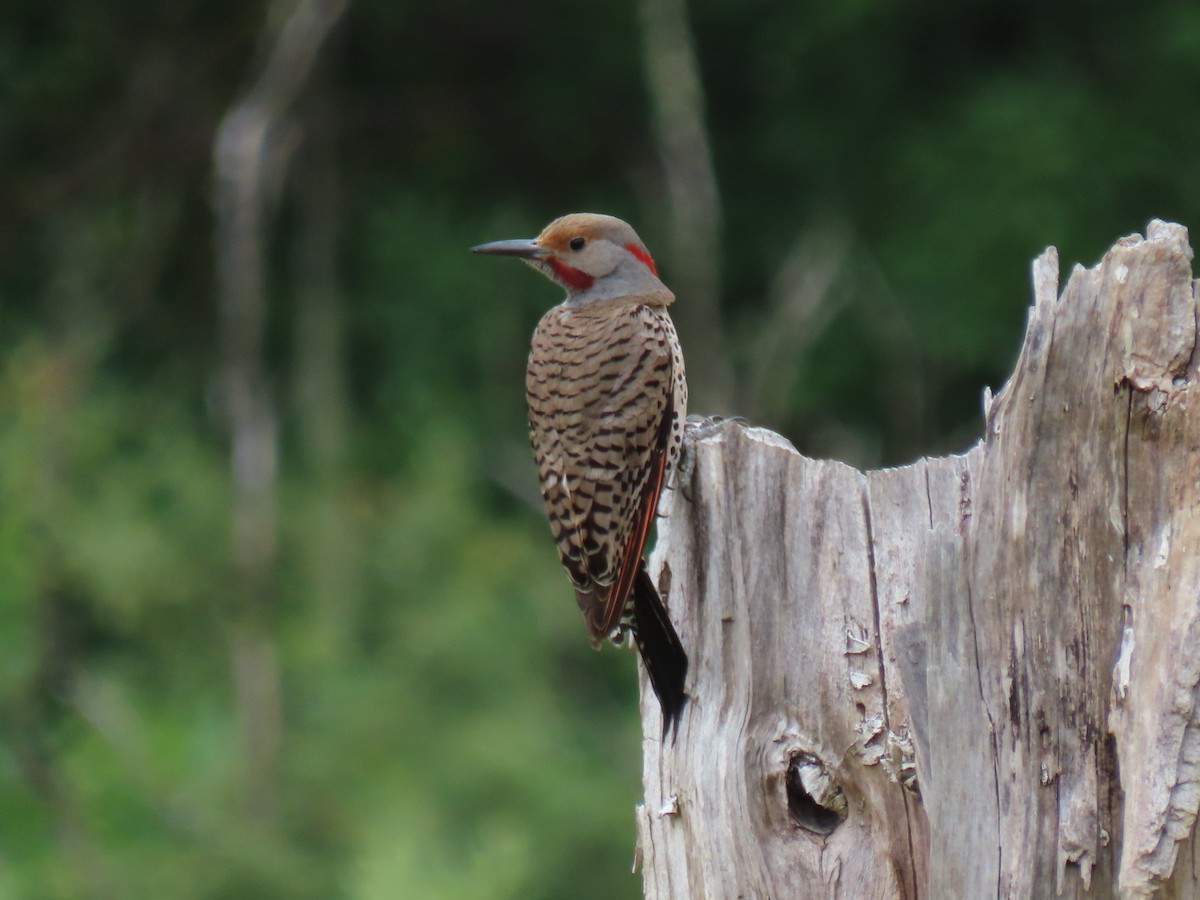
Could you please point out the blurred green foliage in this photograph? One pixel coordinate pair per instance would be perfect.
(446, 731)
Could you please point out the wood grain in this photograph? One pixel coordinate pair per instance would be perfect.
(981, 670)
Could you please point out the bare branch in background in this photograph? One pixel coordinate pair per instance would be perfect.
(801, 306)
(507, 467)
(677, 95)
(253, 146)
(905, 391)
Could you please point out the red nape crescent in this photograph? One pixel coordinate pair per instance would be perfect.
(643, 256)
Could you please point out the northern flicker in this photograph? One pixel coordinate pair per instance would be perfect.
(607, 400)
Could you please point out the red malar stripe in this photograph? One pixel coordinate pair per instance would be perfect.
(572, 278)
(643, 256)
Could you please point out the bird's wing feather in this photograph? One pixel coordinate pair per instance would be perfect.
(599, 397)
(647, 506)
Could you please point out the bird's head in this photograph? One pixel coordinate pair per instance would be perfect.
(594, 257)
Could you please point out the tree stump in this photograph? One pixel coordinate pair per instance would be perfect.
(974, 676)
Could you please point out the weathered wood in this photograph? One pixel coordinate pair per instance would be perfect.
(967, 677)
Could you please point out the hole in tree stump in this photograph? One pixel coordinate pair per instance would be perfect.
(815, 801)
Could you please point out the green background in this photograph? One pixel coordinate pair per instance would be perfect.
(441, 727)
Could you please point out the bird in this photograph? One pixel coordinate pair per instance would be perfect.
(606, 396)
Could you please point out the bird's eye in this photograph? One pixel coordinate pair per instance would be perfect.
(576, 243)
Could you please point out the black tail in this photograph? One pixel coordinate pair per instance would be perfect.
(662, 653)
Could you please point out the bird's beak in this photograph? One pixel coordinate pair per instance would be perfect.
(525, 249)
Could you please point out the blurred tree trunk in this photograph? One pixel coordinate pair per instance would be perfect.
(693, 199)
(974, 676)
(253, 146)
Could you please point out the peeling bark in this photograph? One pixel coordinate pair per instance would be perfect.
(970, 676)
